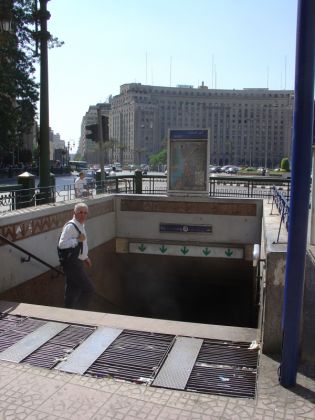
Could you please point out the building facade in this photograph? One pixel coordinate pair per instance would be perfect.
(88, 149)
(250, 127)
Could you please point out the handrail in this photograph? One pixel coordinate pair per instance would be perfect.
(30, 255)
(4, 239)
(283, 208)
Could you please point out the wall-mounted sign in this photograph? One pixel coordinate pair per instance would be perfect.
(186, 250)
(188, 161)
(175, 227)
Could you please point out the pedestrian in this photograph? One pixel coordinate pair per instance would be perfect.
(80, 187)
(74, 248)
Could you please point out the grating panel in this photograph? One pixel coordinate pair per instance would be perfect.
(8, 322)
(32, 341)
(134, 356)
(82, 358)
(56, 349)
(14, 328)
(176, 370)
(228, 381)
(228, 353)
(225, 368)
(221, 368)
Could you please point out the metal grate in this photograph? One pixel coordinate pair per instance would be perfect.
(14, 328)
(57, 348)
(134, 356)
(228, 353)
(221, 368)
(225, 368)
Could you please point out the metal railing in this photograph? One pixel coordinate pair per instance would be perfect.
(281, 201)
(13, 197)
(246, 187)
(30, 255)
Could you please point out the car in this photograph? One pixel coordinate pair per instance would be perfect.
(214, 169)
(90, 176)
(232, 170)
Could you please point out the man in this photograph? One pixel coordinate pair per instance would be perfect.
(80, 186)
(78, 289)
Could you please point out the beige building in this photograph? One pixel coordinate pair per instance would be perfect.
(247, 127)
(87, 148)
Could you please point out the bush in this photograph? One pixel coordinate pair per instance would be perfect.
(285, 165)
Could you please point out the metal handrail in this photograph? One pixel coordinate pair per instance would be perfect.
(30, 255)
(283, 207)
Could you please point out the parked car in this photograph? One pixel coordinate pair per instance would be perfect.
(232, 170)
(225, 168)
(214, 169)
(90, 176)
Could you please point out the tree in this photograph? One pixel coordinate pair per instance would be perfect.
(19, 91)
(285, 165)
(158, 158)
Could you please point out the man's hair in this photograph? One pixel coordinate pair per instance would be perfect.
(79, 206)
(81, 173)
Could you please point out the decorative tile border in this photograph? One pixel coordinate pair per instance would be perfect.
(227, 209)
(37, 225)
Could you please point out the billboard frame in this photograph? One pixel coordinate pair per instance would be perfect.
(188, 161)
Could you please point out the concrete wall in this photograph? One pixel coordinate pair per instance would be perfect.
(274, 253)
(37, 230)
(308, 332)
(233, 221)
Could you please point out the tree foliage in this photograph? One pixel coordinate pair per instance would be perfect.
(285, 165)
(18, 88)
(19, 91)
(159, 158)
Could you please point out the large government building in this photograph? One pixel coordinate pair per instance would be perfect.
(250, 127)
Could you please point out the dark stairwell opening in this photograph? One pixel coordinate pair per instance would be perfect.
(211, 291)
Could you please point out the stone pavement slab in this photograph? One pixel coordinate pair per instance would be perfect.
(27, 392)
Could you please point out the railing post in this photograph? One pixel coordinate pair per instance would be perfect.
(138, 181)
(98, 182)
(52, 187)
(24, 198)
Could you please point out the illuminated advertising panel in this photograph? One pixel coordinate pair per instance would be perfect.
(188, 162)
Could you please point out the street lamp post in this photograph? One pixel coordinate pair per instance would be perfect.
(43, 35)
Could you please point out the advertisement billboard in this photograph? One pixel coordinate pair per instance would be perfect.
(188, 161)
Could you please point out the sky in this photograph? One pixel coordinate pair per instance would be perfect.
(227, 44)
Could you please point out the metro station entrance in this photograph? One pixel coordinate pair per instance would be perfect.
(216, 291)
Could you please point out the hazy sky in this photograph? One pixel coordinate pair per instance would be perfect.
(225, 43)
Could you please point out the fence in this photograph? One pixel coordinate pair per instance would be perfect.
(13, 197)
(247, 187)
(282, 204)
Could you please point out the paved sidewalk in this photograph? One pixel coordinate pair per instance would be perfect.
(27, 392)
